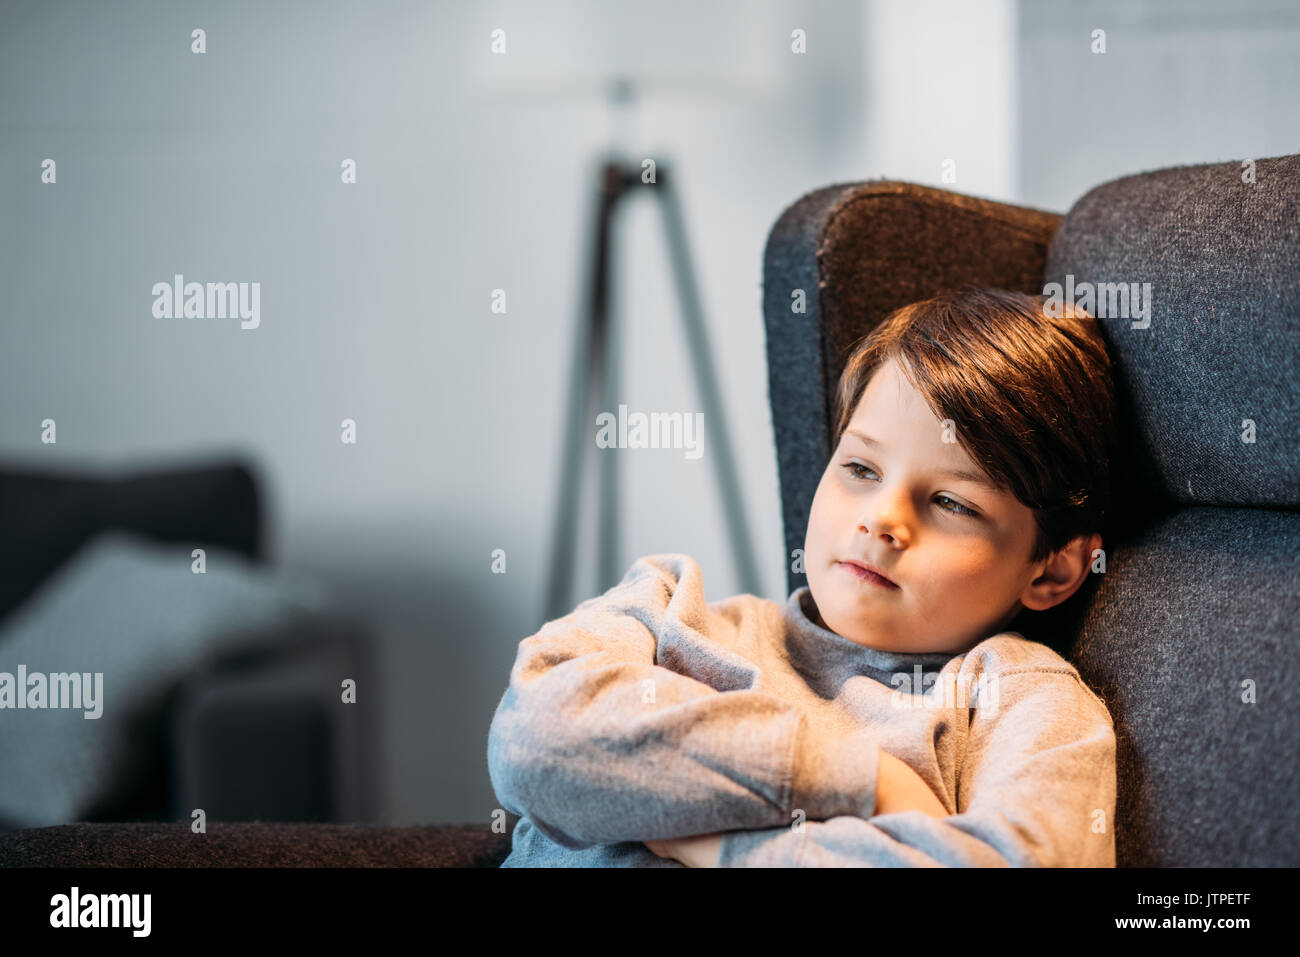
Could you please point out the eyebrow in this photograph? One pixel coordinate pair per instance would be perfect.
(961, 474)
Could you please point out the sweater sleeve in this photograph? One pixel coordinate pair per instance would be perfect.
(1036, 789)
(599, 742)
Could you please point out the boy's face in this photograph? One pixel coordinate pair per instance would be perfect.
(958, 576)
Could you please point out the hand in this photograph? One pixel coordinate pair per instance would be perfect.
(899, 788)
(698, 850)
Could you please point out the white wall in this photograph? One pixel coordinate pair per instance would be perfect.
(941, 84)
(1180, 83)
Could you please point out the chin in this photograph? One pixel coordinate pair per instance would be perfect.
(842, 625)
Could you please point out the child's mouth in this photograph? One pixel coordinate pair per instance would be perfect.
(865, 576)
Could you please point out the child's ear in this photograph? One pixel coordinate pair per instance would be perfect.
(1063, 572)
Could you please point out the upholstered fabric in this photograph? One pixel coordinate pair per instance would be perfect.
(1191, 634)
(1191, 642)
(1218, 354)
(255, 844)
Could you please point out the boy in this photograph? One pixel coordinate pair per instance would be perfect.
(881, 717)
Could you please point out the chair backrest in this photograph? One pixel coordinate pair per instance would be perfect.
(1197, 610)
(1191, 636)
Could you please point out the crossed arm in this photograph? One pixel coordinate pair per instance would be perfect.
(601, 745)
(898, 788)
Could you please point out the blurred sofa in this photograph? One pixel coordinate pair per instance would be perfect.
(222, 689)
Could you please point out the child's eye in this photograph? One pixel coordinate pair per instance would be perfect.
(956, 509)
(853, 466)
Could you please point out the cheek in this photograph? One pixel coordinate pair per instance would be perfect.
(970, 566)
(820, 519)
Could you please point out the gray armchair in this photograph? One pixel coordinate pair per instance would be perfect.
(1190, 635)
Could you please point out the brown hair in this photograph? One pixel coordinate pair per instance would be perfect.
(1033, 397)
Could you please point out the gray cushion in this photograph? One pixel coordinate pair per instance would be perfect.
(134, 611)
(1185, 615)
(1223, 260)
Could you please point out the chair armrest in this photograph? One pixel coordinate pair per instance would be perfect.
(255, 844)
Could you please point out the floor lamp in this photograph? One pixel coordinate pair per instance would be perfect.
(595, 360)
